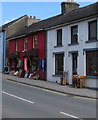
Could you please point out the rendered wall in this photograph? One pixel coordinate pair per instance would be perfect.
(66, 39)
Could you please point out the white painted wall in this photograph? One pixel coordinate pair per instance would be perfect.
(66, 39)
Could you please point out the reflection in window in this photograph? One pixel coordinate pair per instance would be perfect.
(93, 30)
(91, 63)
(59, 37)
(74, 32)
(59, 64)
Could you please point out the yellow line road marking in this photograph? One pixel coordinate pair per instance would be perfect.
(85, 98)
(80, 97)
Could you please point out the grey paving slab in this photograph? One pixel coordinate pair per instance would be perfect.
(84, 92)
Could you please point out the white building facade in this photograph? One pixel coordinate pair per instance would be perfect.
(2, 51)
(73, 49)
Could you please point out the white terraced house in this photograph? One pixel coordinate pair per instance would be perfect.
(72, 44)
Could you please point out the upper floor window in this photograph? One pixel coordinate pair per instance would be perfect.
(35, 42)
(16, 45)
(59, 37)
(25, 43)
(74, 34)
(92, 26)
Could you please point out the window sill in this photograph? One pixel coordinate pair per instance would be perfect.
(58, 75)
(90, 41)
(58, 46)
(73, 44)
(92, 77)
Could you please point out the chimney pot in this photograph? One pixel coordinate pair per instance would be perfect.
(30, 16)
(34, 17)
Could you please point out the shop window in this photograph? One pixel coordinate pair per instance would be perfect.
(74, 34)
(35, 42)
(92, 26)
(25, 43)
(59, 64)
(16, 45)
(91, 63)
(59, 37)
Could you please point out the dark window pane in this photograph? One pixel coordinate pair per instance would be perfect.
(59, 63)
(91, 63)
(74, 61)
(74, 36)
(59, 37)
(93, 30)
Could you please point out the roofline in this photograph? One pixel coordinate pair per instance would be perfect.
(16, 21)
(39, 30)
(64, 24)
(54, 27)
(12, 22)
(16, 37)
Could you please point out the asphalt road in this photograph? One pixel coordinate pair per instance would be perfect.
(21, 101)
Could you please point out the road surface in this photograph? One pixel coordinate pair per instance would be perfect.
(23, 101)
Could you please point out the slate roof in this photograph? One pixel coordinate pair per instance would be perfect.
(10, 23)
(78, 14)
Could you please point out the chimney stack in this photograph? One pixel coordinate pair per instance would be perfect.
(68, 6)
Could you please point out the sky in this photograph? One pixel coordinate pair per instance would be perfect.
(42, 10)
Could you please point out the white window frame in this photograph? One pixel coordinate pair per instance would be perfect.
(25, 42)
(16, 45)
(34, 41)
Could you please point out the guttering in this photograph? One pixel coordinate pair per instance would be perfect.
(39, 30)
(16, 37)
(26, 34)
(72, 22)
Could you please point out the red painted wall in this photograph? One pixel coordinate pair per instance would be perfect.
(41, 49)
(40, 46)
(30, 42)
(12, 46)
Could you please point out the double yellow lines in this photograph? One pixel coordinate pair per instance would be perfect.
(54, 92)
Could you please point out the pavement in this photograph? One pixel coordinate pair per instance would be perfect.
(66, 89)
